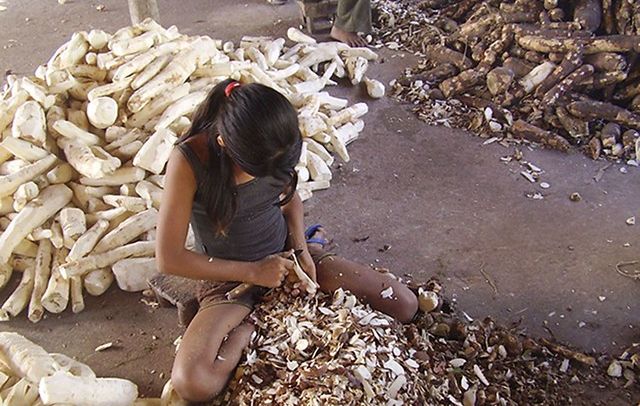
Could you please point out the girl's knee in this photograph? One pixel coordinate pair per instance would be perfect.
(185, 384)
(197, 384)
(244, 332)
(406, 306)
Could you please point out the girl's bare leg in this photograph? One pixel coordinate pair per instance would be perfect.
(210, 351)
(334, 272)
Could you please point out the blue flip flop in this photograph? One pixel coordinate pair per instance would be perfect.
(310, 232)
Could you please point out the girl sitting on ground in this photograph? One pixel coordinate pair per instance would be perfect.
(232, 177)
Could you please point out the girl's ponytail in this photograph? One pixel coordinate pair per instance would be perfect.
(205, 118)
(216, 187)
(290, 189)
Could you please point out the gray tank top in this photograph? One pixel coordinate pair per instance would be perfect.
(258, 228)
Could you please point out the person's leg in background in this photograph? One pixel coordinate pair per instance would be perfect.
(352, 17)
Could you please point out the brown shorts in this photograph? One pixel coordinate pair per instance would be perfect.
(215, 293)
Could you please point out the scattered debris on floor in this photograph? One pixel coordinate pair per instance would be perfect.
(104, 347)
(556, 74)
(535, 195)
(627, 366)
(86, 139)
(629, 269)
(333, 350)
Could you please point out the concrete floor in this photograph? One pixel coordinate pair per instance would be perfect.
(444, 203)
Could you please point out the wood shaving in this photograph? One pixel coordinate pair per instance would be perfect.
(347, 362)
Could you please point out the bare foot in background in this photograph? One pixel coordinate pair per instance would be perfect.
(350, 38)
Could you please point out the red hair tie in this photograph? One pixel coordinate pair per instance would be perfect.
(230, 87)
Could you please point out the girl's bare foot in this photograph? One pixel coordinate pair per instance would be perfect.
(314, 247)
(350, 38)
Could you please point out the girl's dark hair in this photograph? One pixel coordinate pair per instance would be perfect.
(260, 131)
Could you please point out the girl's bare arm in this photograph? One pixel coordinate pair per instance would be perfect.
(173, 225)
(294, 215)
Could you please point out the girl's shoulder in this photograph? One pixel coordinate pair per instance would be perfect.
(196, 152)
(196, 145)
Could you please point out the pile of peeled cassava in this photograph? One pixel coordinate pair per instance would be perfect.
(85, 141)
(29, 375)
(555, 72)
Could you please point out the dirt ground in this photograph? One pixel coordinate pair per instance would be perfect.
(442, 201)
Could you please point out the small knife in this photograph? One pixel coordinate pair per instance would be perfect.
(244, 287)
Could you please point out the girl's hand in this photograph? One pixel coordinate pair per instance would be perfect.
(306, 262)
(272, 270)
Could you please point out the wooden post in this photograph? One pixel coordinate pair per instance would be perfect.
(141, 9)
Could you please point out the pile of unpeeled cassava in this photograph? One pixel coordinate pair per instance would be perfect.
(554, 72)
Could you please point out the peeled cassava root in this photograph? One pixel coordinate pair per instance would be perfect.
(63, 388)
(87, 138)
(25, 358)
(562, 71)
(51, 379)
